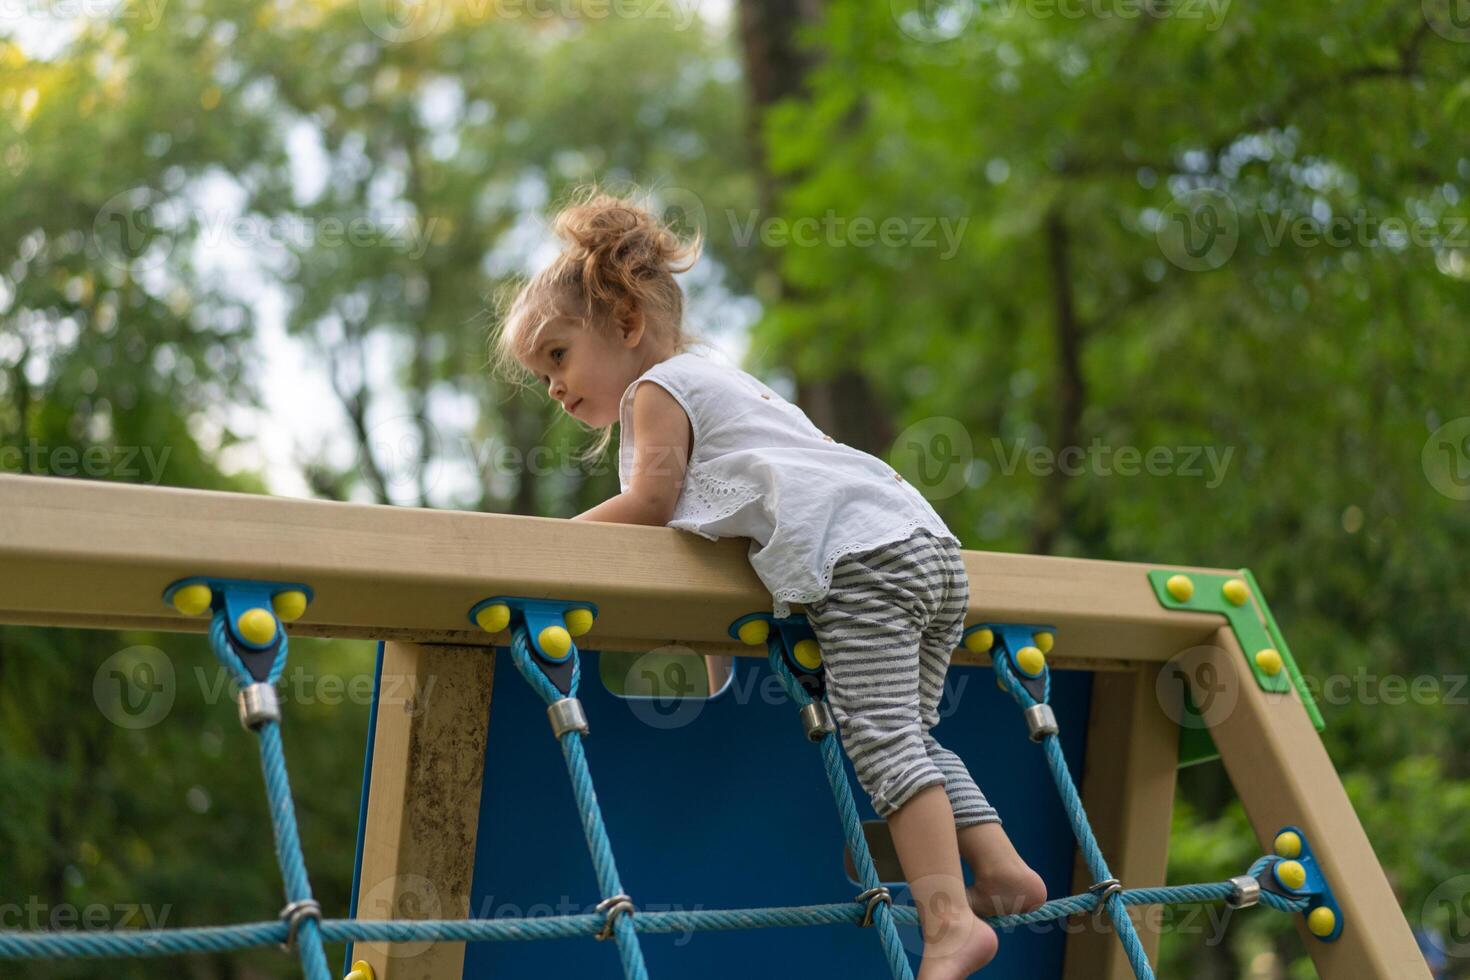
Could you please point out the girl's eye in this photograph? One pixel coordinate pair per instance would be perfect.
(554, 354)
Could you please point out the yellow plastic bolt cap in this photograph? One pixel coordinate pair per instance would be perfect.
(289, 606)
(1236, 591)
(980, 641)
(1291, 874)
(1288, 844)
(1031, 660)
(1181, 587)
(1269, 661)
(808, 654)
(493, 619)
(361, 970)
(578, 621)
(555, 641)
(755, 632)
(1321, 921)
(192, 600)
(1044, 641)
(257, 626)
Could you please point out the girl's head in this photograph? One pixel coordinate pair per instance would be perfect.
(603, 312)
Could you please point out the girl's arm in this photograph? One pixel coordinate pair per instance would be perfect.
(660, 457)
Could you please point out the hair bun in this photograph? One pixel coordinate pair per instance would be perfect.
(620, 246)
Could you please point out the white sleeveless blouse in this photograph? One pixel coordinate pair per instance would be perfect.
(760, 469)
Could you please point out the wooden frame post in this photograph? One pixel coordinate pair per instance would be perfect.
(1127, 790)
(1283, 775)
(418, 856)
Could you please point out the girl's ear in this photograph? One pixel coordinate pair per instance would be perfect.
(632, 326)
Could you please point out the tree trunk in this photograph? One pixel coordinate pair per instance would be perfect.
(845, 405)
(1055, 513)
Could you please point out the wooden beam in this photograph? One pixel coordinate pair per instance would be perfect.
(91, 554)
(418, 856)
(1128, 792)
(1283, 775)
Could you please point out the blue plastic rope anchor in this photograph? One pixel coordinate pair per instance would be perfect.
(1314, 888)
(1032, 690)
(780, 651)
(555, 676)
(250, 662)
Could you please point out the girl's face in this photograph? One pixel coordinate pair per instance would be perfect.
(586, 371)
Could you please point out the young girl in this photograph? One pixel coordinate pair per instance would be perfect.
(709, 449)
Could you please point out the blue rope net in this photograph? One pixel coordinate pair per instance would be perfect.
(302, 930)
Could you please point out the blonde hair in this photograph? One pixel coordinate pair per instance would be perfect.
(618, 259)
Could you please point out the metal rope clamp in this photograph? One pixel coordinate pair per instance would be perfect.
(1245, 891)
(1104, 891)
(612, 907)
(873, 896)
(817, 719)
(258, 705)
(306, 908)
(1041, 721)
(566, 715)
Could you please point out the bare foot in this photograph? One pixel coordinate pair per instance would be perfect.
(1008, 890)
(957, 948)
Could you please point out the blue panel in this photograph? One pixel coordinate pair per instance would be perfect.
(727, 806)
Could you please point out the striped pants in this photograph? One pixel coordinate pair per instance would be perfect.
(887, 628)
